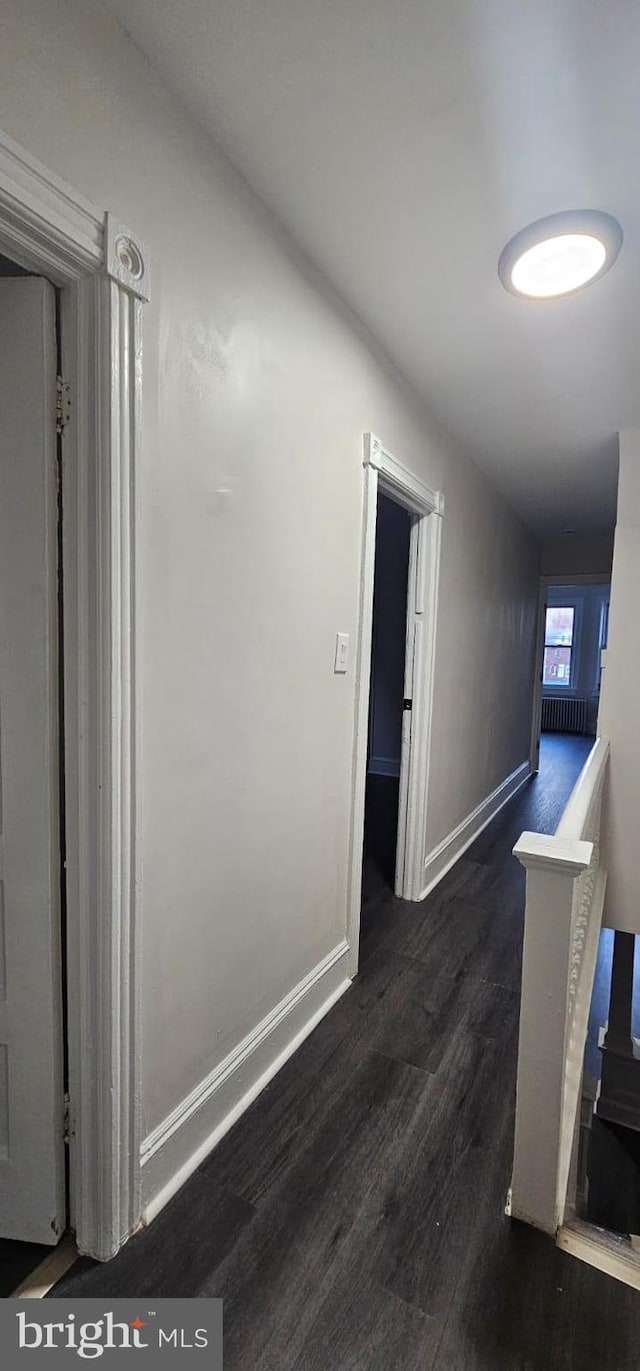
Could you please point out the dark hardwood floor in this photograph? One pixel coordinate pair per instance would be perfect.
(353, 1220)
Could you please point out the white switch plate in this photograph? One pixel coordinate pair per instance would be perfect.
(342, 652)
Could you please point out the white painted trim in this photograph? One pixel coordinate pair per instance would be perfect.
(536, 705)
(406, 729)
(410, 490)
(575, 813)
(44, 224)
(565, 897)
(126, 259)
(384, 766)
(547, 852)
(383, 472)
(361, 723)
(447, 853)
(173, 1151)
(602, 1250)
(577, 1037)
(49, 228)
(424, 672)
(565, 850)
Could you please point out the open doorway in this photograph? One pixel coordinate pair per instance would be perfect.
(408, 539)
(573, 626)
(387, 696)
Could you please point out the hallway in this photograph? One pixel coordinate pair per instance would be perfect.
(353, 1219)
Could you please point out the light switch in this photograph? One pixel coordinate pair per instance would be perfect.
(342, 652)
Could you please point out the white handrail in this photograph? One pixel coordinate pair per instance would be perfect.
(577, 808)
(563, 915)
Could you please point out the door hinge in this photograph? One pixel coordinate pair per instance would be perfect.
(63, 404)
(406, 704)
(67, 1125)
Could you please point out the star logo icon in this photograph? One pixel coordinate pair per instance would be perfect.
(137, 1322)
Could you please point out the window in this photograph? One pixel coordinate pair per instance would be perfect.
(558, 645)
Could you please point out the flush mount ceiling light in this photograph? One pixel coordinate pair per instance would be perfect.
(560, 254)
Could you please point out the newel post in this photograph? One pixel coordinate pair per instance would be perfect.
(552, 865)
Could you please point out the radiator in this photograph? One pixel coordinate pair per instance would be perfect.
(560, 715)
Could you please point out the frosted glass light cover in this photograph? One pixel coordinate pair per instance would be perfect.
(560, 254)
(558, 265)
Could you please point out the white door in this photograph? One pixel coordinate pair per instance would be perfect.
(32, 1188)
(414, 609)
(423, 553)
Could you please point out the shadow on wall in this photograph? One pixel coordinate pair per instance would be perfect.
(578, 554)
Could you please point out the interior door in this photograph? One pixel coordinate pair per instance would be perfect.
(414, 609)
(32, 1187)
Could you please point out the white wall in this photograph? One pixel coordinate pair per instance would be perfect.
(485, 651)
(620, 710)
(388, 650)
(258, 386)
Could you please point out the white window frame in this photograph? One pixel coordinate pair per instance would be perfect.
(574, 602)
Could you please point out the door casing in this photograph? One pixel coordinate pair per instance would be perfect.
(102, 271)
(382, 472)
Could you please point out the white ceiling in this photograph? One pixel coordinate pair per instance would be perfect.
(402, 143)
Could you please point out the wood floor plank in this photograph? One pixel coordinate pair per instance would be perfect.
(361, 1327)
(463, 942)
(427, 1236)
(418, 1009)
(300, 1240)
(396, 1007)
(252, 1157)
(522, 1303)
(175, 1256)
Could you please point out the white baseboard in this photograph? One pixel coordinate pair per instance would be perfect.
(451, 848)
(174, 1149)
(383, 766)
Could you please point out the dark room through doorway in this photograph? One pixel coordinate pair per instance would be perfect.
(386, 694)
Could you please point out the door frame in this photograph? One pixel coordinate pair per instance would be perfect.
(384, 474)
(536, 707)
(102, 270)
(547, 583)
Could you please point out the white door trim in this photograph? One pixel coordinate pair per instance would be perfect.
(536, 707)
(49, 228)
(382, 472)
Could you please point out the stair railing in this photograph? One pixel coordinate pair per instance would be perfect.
(563, 916)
